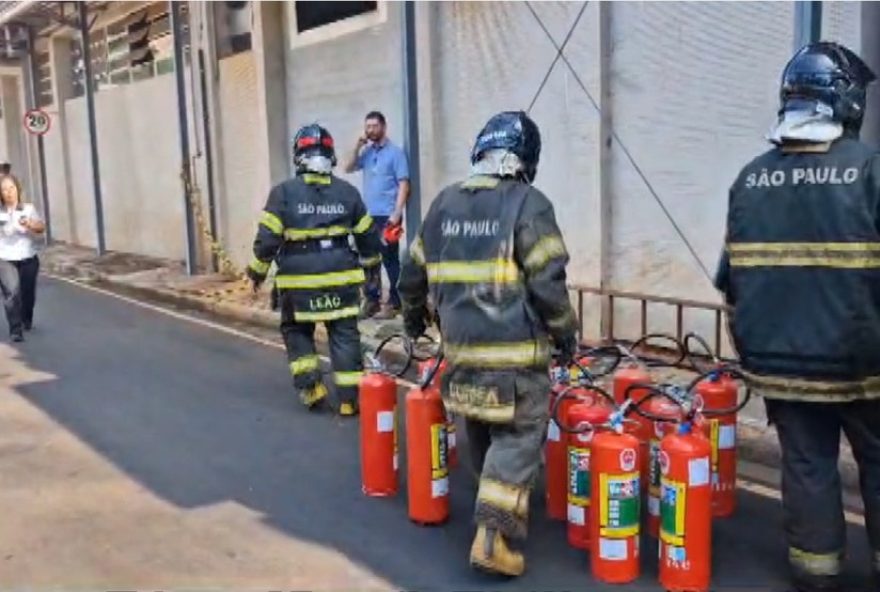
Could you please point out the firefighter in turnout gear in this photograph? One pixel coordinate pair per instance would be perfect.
(492, 259)
(801, 269)
(305, 229)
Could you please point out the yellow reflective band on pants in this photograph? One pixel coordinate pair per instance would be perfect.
(371, 261)
(304, 364)
(327, 315)
(300, 234)
(321, 280)
(495, 271)
(509, 498)
(363, 224)
(499, 355)
(272, 222)
(815, 564)
(259, 266)
(814, 254)
(549, 247)
(347, 378)
(417, 251)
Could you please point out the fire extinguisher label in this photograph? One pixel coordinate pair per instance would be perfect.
(726, 437)
(672, 508)
(438, 451)
(613, 549)
(619, 502)
(385, 421)
(578, 476)
(713, 439)
(450, 434)
(553, 432)
(698, 472)
(396, 461)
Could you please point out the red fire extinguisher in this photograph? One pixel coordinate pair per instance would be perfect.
(719, 391)
(555, 455)
(685, 511)
(451, 439)
(633, 383)
(427, 464)
(665, 415)
(580, 419)
(615, 502)
(556, 446)
(377, 399)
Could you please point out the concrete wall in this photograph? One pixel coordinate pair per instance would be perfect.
(240, 166)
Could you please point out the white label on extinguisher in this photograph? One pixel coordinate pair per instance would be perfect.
(577, 515)
(450, 439)
(698, 471)
(653, 505)
(440, 487)
(726, 437)
(553, 432)
(395, 461)
(612, 549)
(385, 421)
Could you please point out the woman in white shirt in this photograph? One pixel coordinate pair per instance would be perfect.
(19, 226)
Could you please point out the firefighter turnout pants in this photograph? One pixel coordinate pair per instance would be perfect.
(346, 358)
(809, 435)
(508, 458)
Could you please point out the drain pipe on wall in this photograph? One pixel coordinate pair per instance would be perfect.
(185, 165)
(41, 150)
(88, 82)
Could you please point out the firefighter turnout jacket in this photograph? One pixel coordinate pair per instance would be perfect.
(801, 269)
(491, 257)
(305, 228)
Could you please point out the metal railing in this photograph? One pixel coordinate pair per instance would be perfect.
(679, 304)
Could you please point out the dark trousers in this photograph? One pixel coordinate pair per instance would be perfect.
(346, 357)
(391, 262)
(18, 282)
(809, 435)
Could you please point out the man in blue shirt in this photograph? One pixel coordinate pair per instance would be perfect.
(385, 191)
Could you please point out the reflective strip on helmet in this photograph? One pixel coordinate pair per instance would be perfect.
(304, 364)
(832, 255)
(496, 271)
(320, 280)
(505, 497)
(417, 251)
(549, 247)
(316, 179)
(498, 355)
(371, 261)
(815, 564)
(260, 267)
(348, 378)
(326, 315)
(298, 234)
(363, 224)
(272, 222)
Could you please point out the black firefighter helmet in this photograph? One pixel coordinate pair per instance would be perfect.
(513, 131)
(829, 73)
(310, 140)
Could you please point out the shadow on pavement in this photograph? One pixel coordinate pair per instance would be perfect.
(199, 417)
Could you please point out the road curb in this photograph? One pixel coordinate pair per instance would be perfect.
(755, 444)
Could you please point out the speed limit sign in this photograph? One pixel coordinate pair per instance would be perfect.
(37, 122)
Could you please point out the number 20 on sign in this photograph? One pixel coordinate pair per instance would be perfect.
(37, 122)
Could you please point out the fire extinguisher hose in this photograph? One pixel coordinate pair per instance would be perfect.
(703, 345)
(651, 361)
(407, 348)
(568, 394)
(733, 373)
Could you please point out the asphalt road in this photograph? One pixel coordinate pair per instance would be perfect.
(196, 419)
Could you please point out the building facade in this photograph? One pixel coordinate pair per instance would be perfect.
(687, 92)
